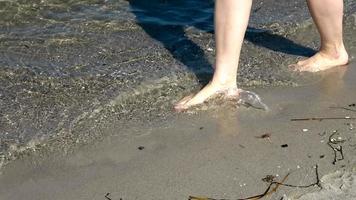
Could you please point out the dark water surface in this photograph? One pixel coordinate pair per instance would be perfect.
(68, 67)
(51, 36)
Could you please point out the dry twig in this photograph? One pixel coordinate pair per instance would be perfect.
(269, 191)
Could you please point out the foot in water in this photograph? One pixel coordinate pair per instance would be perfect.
(323, 60)
(209, 91)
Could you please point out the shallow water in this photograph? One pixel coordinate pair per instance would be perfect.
(37, 33)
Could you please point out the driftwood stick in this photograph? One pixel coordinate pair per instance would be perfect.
(323, 118)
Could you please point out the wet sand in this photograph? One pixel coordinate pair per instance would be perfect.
(214, 153)
(69, 69)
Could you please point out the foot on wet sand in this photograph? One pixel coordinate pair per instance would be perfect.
(207, 92)
(322, 61)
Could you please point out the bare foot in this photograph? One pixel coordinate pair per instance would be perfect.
(322, 61)
(207, 92)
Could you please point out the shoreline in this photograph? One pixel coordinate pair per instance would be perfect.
(65, 109)
(126, 103)
(216, 153)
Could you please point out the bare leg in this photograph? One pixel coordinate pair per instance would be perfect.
(231, 20)
(327, 15)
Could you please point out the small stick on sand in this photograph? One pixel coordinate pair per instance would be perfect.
(269, 191)
(323, 118)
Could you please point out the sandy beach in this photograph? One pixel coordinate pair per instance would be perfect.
(86, 106)
(220, 154)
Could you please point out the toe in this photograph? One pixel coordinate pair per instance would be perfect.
(295, 67)
(180, 108)
(192, 100)
(303, 68)
(185, 99)
(301, 62)
(181, 104)
(309, 68)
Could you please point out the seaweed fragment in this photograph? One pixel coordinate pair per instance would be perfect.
(263, 136)
(269, 189)
(107, 196)
(269, 178)
(338, 149)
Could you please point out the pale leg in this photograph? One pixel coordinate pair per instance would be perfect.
(231, 20)
(328, 17)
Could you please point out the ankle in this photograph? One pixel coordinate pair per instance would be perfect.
(334, 51)
(224, 82)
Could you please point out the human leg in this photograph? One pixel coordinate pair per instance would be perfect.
(328, 16)
(231, 20)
